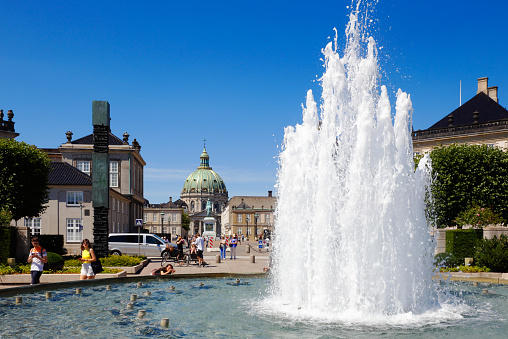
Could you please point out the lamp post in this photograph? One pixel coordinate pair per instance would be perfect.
(247, 229)
(162, 222)
(256, 224)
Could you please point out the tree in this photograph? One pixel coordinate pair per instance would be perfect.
(185, 222)
(468, 175)
(24, 171)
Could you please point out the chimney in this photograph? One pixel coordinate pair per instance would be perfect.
(493, 93)
(269, 193)
(170, 199)
(483, 85)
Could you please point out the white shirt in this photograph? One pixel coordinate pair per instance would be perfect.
(200, 243)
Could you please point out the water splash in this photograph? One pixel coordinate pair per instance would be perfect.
(351, 234)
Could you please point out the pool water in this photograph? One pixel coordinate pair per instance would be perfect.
(219, 307)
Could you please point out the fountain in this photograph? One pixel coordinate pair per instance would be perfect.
(352, 237)
(352, 252)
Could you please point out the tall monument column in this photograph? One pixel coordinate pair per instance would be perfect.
(100, 176)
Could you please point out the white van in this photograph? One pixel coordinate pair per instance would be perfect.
(149, 245)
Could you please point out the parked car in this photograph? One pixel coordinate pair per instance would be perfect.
(149, 245)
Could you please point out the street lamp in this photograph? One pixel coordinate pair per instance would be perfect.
(162, 222)
(256, 224)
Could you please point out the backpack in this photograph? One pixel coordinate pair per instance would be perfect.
(45, 266)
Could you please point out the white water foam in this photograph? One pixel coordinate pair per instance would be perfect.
(351, 237)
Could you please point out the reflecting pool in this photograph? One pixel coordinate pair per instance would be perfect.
(220, 308)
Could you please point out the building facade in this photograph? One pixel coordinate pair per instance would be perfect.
(69, 210)
(164, 219)
(200, 186)
(126, 166)
(250, 216)
(481, 120)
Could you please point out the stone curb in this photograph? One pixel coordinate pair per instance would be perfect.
(12, 291)
(18, 279)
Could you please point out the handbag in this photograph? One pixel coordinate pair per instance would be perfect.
(96, 266)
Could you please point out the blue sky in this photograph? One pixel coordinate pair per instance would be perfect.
(232, 72)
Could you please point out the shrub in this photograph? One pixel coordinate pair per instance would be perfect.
(445, 259)
(493, 253)
(461, 243)
(7, 243)
(465, 269)
(52, 243)
(478, 217)
(55, 261)
(121, 260)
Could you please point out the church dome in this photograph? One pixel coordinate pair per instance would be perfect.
(204, 179)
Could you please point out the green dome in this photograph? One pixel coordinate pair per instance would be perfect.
(204, 179)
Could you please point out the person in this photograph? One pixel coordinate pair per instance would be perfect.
(179, 245)
(193, 249)
(38, 257)
(232, 246)
(87, 257)
(243, 237)
(223, 247)
(200, 245)
(168, 269)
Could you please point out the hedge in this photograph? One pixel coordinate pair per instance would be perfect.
(461, 243)
(52, 243)
(8, 237)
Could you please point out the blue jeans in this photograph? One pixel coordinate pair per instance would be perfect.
(223, 253)
(36, 276)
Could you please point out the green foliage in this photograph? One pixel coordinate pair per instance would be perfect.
(465, 269)
(121, 260)
(52, 242)
(18, 269)
(478, 217)
(185, 222)
(55, 261)
(7, 243)
(465, 175)
(445, 259)
(72, 263)
(493, 253)
(24, 171)
(461, 243)
(5, 218)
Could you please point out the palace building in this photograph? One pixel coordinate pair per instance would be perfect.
(481, 120)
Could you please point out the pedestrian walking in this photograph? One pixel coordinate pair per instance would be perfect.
(38, 257)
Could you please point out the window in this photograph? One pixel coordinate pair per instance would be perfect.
(113, 174)
(154, 217)
(174, 217)
(267, 218)
(83, 166)
(114, 203)
(239, 230)
(173, 230)
(73, 198)
(247, 217)
(145, 217)
(238, 218)
(74, 230)
(123, 207)
(34, 224)
(249, 230)
(154, 229)
(192, 205)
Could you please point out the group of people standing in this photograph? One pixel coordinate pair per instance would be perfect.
(232, 247)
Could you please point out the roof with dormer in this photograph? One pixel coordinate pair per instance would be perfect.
(88, 140)
(488, 111)
(65, 174)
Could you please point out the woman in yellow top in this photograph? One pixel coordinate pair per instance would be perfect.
(87, 256)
